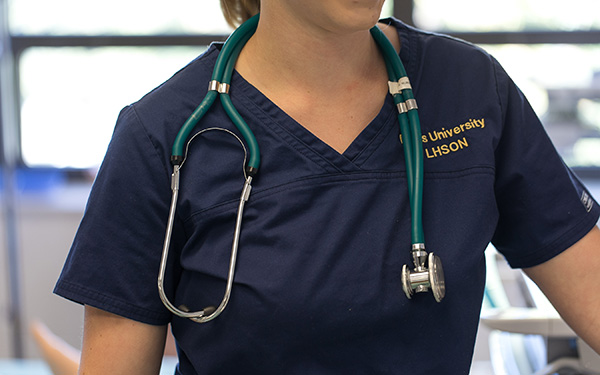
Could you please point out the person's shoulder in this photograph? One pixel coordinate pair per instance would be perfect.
(189, 79)
(162, 111)
(177, 97)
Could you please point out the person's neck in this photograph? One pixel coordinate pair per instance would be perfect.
(281, 55)
(332, 84)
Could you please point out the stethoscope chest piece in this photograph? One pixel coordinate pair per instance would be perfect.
(424, 277)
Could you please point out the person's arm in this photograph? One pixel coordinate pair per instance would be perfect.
(116, 345)
(571, 281)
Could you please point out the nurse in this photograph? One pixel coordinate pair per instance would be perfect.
(326, 231)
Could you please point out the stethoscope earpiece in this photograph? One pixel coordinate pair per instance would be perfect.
(424, 276)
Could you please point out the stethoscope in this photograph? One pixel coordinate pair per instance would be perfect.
(427, 273)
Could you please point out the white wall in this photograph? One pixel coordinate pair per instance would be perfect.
(46, 224)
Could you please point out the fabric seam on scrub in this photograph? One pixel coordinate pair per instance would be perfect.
(376, 141)
(155, 148)
(342, 177)
(156, 152)
(560, 243)
(282, 132)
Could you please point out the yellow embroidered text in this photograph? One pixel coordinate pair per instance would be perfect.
(447, 138)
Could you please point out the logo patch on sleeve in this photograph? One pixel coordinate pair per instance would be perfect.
(587, 201)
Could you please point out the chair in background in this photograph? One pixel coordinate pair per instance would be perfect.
(62, 358)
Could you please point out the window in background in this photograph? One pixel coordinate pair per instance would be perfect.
(71, 97)
(562, 81)
(116, 17)
(507, 15)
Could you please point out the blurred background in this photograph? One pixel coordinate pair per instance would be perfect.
(68, 67)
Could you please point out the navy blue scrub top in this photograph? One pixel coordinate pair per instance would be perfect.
(325, 235)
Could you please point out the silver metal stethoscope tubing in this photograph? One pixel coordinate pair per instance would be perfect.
(199, 316)
(234, 250)
(165, 253)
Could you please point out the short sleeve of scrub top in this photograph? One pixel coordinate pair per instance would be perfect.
(114, 251)
(543, 206)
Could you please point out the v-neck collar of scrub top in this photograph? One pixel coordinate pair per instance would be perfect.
(305, 142)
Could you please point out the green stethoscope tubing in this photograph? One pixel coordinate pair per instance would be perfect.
(410, 127)
(423, 277)
(222, 73)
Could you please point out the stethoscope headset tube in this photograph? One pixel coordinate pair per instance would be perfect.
(427, 273)
(222, 77)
